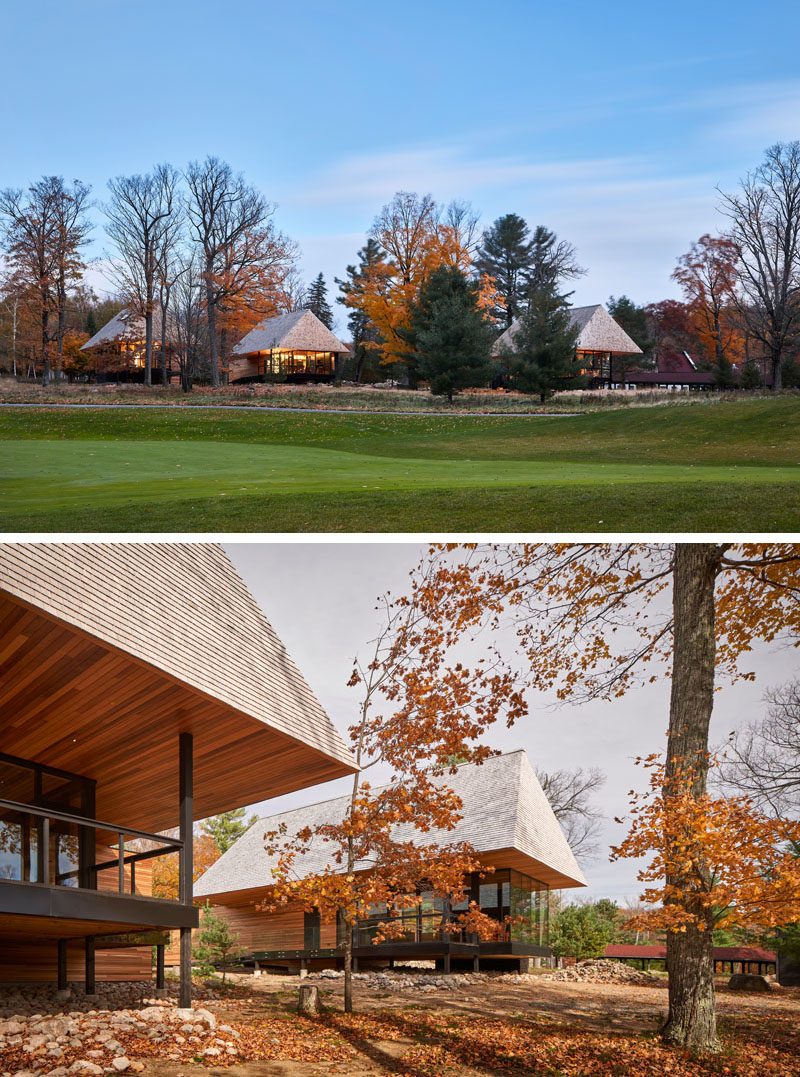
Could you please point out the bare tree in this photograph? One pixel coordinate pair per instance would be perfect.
(553, 261)
(143, 223)
(765, 226)
(171, 264)
(241, 250)
(404, 229)
(188, 322)
(43, 229)
(72, 229)
(462, 221)
(763, 759)
(295, 292)
(571, 794)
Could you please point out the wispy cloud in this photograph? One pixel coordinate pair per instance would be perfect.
(446, 171)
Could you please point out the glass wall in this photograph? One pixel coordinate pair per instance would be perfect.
(519, 904)
(319, 364)
(506, 895)
(22, 857)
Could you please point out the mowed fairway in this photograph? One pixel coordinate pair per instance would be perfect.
(732, 466)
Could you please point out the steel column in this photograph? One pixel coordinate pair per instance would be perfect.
(186, 788)
(61, 965)
(160, 979)
(89, 958)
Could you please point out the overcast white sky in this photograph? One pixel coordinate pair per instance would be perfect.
(320, 598)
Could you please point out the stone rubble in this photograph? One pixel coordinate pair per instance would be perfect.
(43, 1035)
(390, 980)
(603, 971)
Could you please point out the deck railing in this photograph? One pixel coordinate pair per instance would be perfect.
(86, 873)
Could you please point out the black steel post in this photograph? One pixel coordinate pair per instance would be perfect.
(160, 979)
(61, 965)
(44, 853)
(186, 788)
(89, 958)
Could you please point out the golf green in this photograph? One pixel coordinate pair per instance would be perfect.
(733, 467)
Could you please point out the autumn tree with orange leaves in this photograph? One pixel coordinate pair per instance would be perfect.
(714, 861)
(708, 275)
(416, 236)
(165, 868)
(244, 259)
(380, 851)
(592, 621)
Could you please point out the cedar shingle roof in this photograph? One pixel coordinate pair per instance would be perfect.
(299, 331)
(183, 609)
(503, 807)
(125, 326)
(597, 332)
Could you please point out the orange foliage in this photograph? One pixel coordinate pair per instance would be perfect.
(165, 868)
(715, 861)
(708, 275)
(592, 620)
(416, 725)
(416, 241)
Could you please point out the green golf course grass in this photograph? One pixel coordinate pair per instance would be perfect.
(730, 466)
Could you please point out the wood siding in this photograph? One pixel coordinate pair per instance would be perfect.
(281, 930)
(35, 961)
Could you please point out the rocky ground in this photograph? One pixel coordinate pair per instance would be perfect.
(407, 1022)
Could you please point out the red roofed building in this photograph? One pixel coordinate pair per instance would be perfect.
(727, 959)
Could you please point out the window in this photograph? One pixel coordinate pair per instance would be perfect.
(21, 856)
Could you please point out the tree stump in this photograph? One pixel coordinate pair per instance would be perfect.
(308, 1001)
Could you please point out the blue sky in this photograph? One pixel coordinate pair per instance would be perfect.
(610, 123)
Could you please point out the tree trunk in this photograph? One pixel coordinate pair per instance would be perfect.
(45, 346)
(691, 1022)
(148, 345)
(213, 342)
(223, 356)
(348, 968)
(777, 371)
(164, 309)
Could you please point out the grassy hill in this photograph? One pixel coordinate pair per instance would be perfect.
(732, 466)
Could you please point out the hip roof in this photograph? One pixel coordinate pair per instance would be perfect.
(597, 332)
(503, 808)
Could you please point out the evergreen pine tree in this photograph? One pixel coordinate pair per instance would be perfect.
(578, 931)
(450, 335)
(751, 376)
(506, 255)
(317, 300)
(633, 319)
(91, 323)
(363, 334)
(217, 943)
(542, 355)
(227, 827)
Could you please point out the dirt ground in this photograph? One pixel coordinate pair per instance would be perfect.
(552, 1008)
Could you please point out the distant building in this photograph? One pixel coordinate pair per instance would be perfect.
(727, 959)
(601, 340)
(291, 347)
(118, 348)
(505, 817)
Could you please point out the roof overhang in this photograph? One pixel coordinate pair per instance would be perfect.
(529, 865)
(76, 702)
